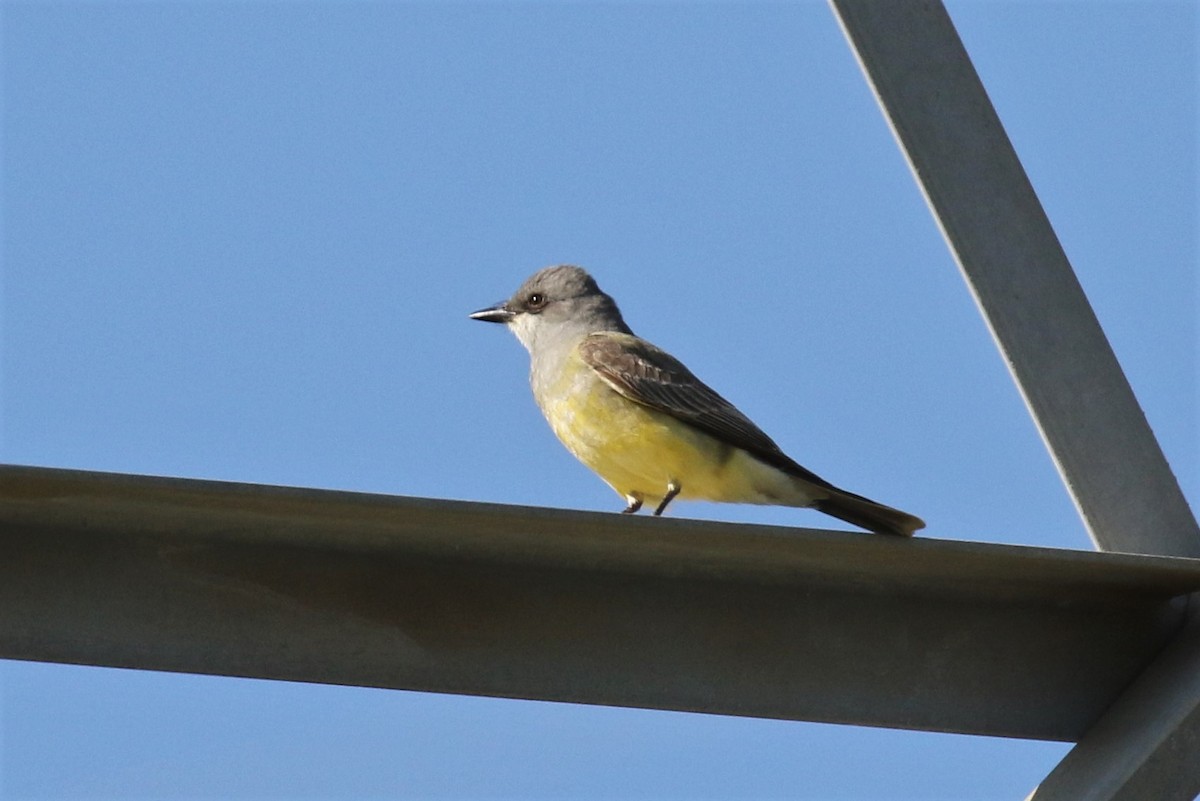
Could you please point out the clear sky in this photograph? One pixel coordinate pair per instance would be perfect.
(240, 241)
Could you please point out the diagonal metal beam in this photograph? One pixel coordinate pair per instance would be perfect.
(1145, 745)
(1020, 276)
(344, 588)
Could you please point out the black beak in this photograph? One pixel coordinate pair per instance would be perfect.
(494, 314)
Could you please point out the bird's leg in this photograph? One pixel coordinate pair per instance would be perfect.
(635, 503)
(672, 490)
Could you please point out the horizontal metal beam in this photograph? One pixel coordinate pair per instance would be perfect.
(344, 588)
(1020, 277)
(1148, 744)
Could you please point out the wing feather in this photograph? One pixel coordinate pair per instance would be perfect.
(654, 378)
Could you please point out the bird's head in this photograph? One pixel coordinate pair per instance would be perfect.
(557, 304)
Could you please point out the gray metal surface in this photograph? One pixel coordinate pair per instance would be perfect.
(343, 588)
(1148, 745)
(1020, 276)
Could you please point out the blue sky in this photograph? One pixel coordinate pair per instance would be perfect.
(240, 240)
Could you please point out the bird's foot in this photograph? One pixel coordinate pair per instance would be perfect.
(672, 490)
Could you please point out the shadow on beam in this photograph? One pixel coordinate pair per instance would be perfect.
(481, 599)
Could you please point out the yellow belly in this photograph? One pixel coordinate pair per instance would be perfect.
(639, 451)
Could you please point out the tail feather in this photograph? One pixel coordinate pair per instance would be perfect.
(868, 514)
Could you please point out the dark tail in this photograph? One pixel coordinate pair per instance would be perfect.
(867, 514)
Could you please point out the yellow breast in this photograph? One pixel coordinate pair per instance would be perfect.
(638, 451)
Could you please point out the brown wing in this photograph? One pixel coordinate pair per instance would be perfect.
(655, 378)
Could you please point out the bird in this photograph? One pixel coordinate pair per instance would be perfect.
(644, 423)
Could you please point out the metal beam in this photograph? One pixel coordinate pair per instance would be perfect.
(321, 586)
(1144, 746)
(1020, 276)
(1148, 744)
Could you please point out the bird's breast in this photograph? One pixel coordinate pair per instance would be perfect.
(639, 450)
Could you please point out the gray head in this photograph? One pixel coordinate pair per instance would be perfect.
(556, 305)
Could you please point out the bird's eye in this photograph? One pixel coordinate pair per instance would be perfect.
(536, 300)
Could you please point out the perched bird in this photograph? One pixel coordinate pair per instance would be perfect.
(638, 417)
